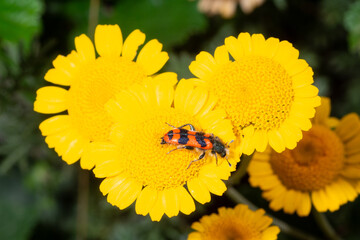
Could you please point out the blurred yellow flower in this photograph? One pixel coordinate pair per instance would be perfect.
(323, 170)
(266, 91)
(237, 223)
(227, 8)
(90, 82)
(137, 167)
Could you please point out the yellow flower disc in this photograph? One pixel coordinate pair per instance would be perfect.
(266, 91)
(262, 88)
(170, 168)
(136, 166)
(238, 223)
(323, 170)
(96, 83)
(92, 81)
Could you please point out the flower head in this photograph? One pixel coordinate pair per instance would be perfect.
(91, 82)
(237, 223)
(323, 170)
(227, 8)
(136, 166)
(266, 91)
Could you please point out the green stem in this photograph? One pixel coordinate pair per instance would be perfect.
(82, 205)
(83, 184)
(240, 173)
(233, 194)
(93, 16)
(324, 225)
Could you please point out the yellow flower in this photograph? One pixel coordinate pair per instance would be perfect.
(136, 166)
(323, 170)
(237, 223)
(90, 82)
(266, 91)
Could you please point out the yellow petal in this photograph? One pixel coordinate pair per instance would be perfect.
(198, 190)
(258, 44)
(132, 43)
(151, 58)
(303, 79)
(186, 203)
(164, 89)
(261, 140)
(157, 211)
(233, 46)
(276, 141)
(306, 92)
(108, 40)
(297, 67)
(244, 40)
(55, 124)
(323, 111)
(286, 53)
(304, 206)
(128, 194)
(319, 200)
(85, 48)
(353, 146)
(203, 65)
(146, 200)
(349, 127)
(221, 55)
(196, 101)
(50, 100)
(291, 201)
(270, 233)
(332, 198)
(215, 185)
(171, 202)
(75, 148)
(271, 47)
(299, 121)
(110, 183)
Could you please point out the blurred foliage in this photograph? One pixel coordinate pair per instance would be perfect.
(39, 192)
(20, 20)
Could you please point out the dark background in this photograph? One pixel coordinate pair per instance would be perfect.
(41, 197)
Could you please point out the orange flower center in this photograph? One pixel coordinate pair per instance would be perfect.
(313, 164)
(230, 228)
(254, 91)
(95, 83)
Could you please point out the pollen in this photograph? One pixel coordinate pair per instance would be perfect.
(254, 90)
(151, 163)
(96, 83)
(313, 164)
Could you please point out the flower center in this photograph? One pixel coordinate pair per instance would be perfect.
(94, 84)
(254, 91)
(231, 229)
(144, 158)
(313, 164)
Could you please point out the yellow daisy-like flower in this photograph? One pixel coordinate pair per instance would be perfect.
(237, 223)
(90, 82)
(266, 91)
(323, 170)
(136, 166)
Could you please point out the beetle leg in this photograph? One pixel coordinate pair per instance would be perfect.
(200, 157)
(192, 128)
(181, 147)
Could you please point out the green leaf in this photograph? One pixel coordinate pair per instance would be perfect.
(171, 22)
(352, 24)
(20, 20)
(18, 210)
